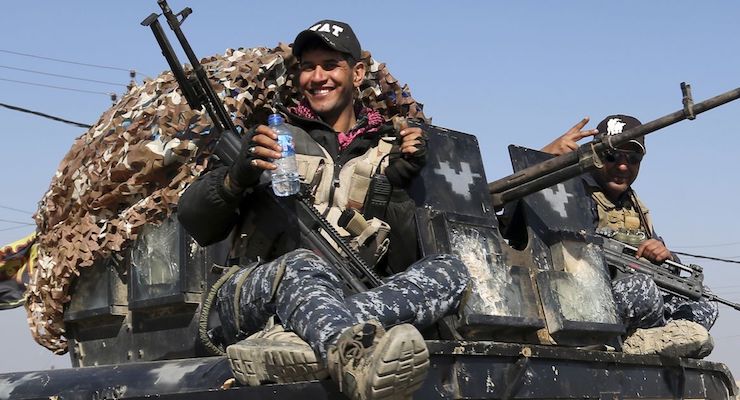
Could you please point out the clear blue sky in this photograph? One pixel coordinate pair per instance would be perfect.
(509, 72)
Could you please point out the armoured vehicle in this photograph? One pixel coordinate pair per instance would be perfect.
(539, 323)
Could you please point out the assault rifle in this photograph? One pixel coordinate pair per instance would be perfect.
(666, 275)
(588, 156)
(199, 94)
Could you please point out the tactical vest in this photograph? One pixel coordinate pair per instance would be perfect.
(334, 188)
(630, 216)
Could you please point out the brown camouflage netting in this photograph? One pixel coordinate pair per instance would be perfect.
(129, 169)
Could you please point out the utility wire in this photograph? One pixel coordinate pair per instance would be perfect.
(706, 257)
(727, 337)
(15, 209)
(16, 222)
(40, 114)
(61, 76)
(55, 87)
(64, 61)
(725, 287)
(705, 246)
(14, 227)
(725, 294)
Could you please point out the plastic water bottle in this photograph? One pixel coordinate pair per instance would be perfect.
(285, 181)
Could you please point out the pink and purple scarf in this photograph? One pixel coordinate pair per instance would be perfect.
(374, 121)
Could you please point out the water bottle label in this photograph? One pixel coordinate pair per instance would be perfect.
(286, 143)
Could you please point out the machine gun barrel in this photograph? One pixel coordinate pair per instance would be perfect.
(169, 54)
(197, 89)
(587, 158)
(217, 109)
(714, 297)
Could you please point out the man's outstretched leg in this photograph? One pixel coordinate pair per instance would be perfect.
(428, 290)
(248, 299)
(306, 295)
(664, 325)
(421, 295)
(686, 333)
(639, 301)
(702, 311)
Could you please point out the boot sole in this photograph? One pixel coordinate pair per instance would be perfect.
(262, 361)
(403, 367)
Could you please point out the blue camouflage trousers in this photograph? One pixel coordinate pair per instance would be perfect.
(641, 304)
(306, 294)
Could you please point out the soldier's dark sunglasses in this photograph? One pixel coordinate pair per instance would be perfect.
(631, 157)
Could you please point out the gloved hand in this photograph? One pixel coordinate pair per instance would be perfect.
(258, 146)
(406, 164)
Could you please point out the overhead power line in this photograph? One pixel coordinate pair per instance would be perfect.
(61, 76)
(16, 209)
(724, 293)
(706, 245)
(16, 222)
(55, 87)
(707, 257)
(64, 61)
(40, 114)
(15, 227)
(725, 337)
(19, 224)
(725, 287)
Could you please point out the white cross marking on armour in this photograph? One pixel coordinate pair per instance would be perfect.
(460, 182)
(558, 198)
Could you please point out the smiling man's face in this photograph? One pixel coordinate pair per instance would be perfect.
(328, 81)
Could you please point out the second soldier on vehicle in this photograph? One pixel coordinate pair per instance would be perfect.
(659, 322)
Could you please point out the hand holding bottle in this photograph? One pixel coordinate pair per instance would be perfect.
(285, 180)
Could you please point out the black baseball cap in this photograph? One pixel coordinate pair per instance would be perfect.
(336, 35)
(618, 123)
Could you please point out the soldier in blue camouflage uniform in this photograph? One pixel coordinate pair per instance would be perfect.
(617, 208)
(310, 302)
(369, 342)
